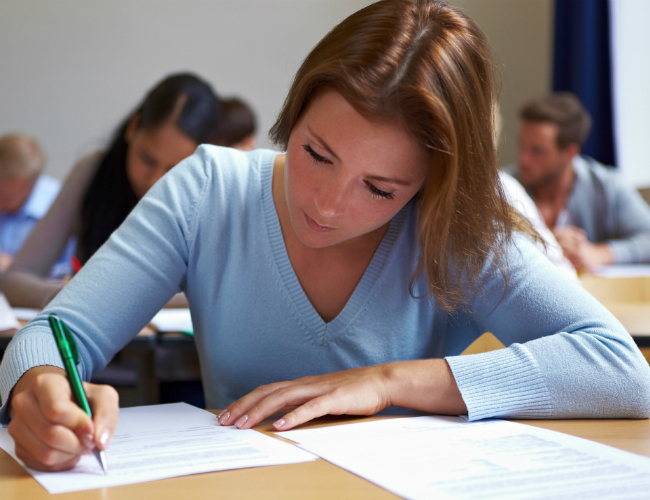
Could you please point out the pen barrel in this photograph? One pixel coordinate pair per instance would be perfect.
(77, 387)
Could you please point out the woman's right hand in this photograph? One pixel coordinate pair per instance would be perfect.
(50, 430)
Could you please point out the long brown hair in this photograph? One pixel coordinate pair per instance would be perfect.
(427, 65)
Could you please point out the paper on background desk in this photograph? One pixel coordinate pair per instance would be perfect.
(8, 319)
(161, 441)
(449, 458)
(25, 313)
(173, 320)
(623, 271)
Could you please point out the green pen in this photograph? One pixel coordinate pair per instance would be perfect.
(68, 349)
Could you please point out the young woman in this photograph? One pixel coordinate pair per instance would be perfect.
(360, 263)
(178, 114)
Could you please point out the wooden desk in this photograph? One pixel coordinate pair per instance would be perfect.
(313, 480)
(626, 298)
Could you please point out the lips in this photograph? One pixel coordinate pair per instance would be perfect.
(316, 226)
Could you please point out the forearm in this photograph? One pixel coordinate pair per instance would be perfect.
(632, 250)
(24, 289)
(426, 385)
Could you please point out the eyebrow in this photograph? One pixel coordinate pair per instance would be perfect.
(400, 182)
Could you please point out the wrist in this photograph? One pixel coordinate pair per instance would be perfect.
(27, 379)
(605, 254)
(425, 385)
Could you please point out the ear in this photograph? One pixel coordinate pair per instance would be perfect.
(131, 127)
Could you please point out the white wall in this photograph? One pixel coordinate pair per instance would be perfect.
(70, 70)
(630, 38)
(521, 35)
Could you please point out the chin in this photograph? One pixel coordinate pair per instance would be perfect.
(312, 240)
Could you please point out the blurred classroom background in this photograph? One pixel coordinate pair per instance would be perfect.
(71, 69)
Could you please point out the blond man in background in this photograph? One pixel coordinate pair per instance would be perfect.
(25, 196)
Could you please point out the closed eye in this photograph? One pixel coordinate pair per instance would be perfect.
(147, 160)
(378, 192)
(314, 155)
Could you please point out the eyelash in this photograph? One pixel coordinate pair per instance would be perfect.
(314, 155)
(377, 193)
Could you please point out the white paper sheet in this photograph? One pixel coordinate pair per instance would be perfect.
(173, 320)
(8, 319)
(25, 313)
(447, 457)
(161, 441)
(624, 271)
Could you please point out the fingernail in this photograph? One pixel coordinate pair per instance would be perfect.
(104, 438)
(279, 424)
(223, 417)
(220, 413)
(89, 441)
(242, 420)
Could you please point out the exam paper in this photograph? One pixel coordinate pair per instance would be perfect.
(173, 320)
(161, 441)
(449, 458)
(8, 319)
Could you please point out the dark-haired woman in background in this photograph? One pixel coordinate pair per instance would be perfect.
(177, 115)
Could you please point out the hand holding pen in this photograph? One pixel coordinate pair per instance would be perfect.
(50, 429)
(70, 356)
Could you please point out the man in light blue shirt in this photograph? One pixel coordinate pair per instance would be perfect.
(25, 197)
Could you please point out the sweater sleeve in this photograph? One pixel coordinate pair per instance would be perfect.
(123, 285)
(632, 225)
(25, 284)
(566, 355)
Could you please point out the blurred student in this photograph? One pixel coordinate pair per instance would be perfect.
(519, 200)
(596, 217)
(25, 197)
(177, 115)
(237, 125)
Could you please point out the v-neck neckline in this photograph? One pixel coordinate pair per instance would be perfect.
(321, 330)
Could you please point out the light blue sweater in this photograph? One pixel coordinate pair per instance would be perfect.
(210, 228)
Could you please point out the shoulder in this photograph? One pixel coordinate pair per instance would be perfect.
(231, 162)
(513, 190)
(226, 169)
(589, 170)
(216, 179)
(592, 176)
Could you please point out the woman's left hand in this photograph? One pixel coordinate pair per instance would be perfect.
(426, 385)
(360, 391)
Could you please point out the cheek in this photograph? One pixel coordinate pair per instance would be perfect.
(134, 170)
(299, 185)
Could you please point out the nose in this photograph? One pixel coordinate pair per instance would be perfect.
(331, 198)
